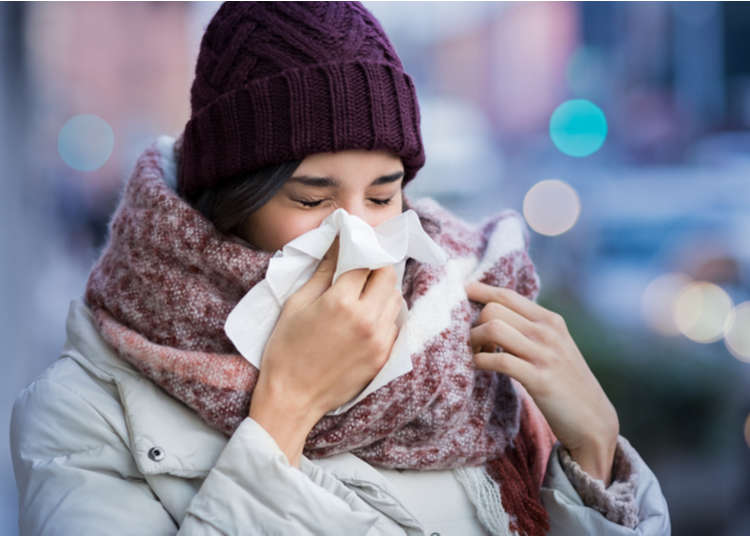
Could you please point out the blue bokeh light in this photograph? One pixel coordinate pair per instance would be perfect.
(85, 142)
(578, 127)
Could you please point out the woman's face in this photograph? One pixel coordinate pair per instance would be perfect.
(365, 183)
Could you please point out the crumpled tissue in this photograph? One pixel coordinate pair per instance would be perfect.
(250, 323)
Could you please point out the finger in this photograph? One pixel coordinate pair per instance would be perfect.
(391, 309)
(506, 363)
(393, 335)
(484, 293)
(349, 285)
(520, 323)
(497, 332)
(322, 276)
(489, 348)
(379, 287)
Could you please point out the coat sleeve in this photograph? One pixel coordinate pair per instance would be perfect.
(75, 475)
(577, 503)
(73, 471)
(276, 498)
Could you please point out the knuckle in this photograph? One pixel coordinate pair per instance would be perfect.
(536, 331)
(365, 329)
(542, 360)
(541, 332)
(339, 305)
(489, 312)
(495, 327)
(330, 301)
(556, 320)
(494, 308)
(500, 294)
(540, 383)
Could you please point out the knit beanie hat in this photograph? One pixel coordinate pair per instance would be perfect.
(277, 81)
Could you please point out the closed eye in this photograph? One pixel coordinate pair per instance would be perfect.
(314, 203)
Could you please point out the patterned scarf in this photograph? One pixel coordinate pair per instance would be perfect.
(167, 279)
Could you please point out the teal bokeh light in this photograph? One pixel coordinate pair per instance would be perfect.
(578, 127)
(85, 142)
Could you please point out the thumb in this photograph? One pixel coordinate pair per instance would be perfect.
(323, 275)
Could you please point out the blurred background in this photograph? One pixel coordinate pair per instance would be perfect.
(621, 131)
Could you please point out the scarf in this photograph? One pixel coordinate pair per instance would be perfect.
(166, 279)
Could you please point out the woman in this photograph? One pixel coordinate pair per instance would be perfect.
(152, 423)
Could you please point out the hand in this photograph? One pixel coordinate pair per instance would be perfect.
(539, 352)
(331, 340)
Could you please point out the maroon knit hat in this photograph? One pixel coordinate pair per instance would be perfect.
(277, 81)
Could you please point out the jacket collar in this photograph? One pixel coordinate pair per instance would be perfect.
(165, 435)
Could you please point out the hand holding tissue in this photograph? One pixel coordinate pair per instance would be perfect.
(250, 323)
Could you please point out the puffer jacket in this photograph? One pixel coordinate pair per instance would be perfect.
(98, 448)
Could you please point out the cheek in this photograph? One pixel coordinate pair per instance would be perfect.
(393, 210)
(289, 226)
(384, 215)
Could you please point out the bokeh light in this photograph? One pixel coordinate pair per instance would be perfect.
(578, 127)
(551, 207)
(658, 302)
(85, 142)
(701, 311)
(737, 332)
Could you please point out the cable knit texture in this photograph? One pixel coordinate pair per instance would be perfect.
(276, 81)
(617, 502)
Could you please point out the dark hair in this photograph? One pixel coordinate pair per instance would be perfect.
(229, 204)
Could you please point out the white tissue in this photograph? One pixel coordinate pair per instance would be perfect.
(250, 323)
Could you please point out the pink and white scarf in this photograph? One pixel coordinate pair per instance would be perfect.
(167, 279)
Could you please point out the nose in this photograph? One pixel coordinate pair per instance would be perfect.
(358, 208)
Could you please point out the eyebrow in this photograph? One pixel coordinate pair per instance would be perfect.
(330, 182)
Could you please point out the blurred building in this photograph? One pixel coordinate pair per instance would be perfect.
(128, 63)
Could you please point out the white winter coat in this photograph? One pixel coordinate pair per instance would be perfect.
(99, 449)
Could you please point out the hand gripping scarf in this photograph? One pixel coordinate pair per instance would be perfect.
(166, 280)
